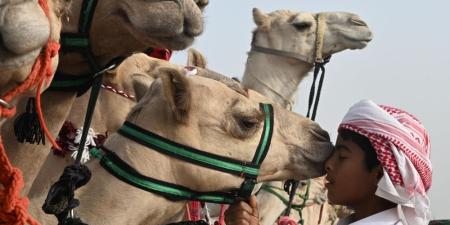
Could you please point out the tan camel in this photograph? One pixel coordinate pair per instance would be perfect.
(136, 23)
(278, 77)
(131, 75)
(24, 31)
(207, 115)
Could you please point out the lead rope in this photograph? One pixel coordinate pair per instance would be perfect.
(313, 103)
(61, 200)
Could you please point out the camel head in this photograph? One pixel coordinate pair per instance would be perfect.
(24, 31)
(123, 26)
(296, 32)
(208, 115)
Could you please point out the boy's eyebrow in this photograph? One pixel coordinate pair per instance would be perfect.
(342, 147)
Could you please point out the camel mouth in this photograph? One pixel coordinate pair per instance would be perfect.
(311, 170)
(180, 40)
(359, 42)
(177, 31)
(318, 152)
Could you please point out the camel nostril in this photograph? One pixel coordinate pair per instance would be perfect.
(202, 3)
(357, 21)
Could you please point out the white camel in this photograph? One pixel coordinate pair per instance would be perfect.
(291, 33)
(285, 46)
(207, 115)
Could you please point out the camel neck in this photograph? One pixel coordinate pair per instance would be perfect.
(274, 76)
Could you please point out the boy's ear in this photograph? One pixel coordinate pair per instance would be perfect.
(379, 172)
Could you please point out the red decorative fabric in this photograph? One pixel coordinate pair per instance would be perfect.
(285, 220)
(159, 53)
(195, 211)
(66, 137)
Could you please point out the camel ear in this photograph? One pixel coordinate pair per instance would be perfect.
(261, 19)
(177, 93)
(141, 84)
(195, 58)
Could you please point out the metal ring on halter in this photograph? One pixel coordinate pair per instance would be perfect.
(5, 104)
(71, 214)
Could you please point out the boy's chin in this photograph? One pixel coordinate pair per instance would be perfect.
(332, 199)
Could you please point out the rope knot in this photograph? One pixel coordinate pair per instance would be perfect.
(60, 199)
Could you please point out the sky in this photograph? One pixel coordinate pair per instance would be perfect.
(405, 65)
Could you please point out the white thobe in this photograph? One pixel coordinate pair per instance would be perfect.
(386, 217)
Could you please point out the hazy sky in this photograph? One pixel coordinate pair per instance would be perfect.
(406, 65)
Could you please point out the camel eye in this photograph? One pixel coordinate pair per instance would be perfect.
(301, 26)
(245, 126)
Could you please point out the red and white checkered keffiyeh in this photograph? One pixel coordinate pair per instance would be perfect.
(403, 148)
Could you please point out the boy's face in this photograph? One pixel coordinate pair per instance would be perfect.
(348, 180)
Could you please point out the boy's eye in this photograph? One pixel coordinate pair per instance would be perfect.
(342, 157)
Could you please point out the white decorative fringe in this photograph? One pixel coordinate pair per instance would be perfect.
(89, 142)
(205, 214)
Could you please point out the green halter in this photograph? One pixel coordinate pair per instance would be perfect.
(78, 42)
(249, 170)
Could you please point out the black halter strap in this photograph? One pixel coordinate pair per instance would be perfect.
(291, 186)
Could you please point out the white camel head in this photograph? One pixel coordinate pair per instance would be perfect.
(296, 32)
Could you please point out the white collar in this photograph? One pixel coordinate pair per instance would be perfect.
(386, 217)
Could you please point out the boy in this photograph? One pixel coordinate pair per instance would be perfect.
(380, 168)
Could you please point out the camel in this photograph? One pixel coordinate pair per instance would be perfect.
(136, 23)
(29, 34)
(204, 114)
(131, 75)
(25, 30)
(313, 197)
(278, 76)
